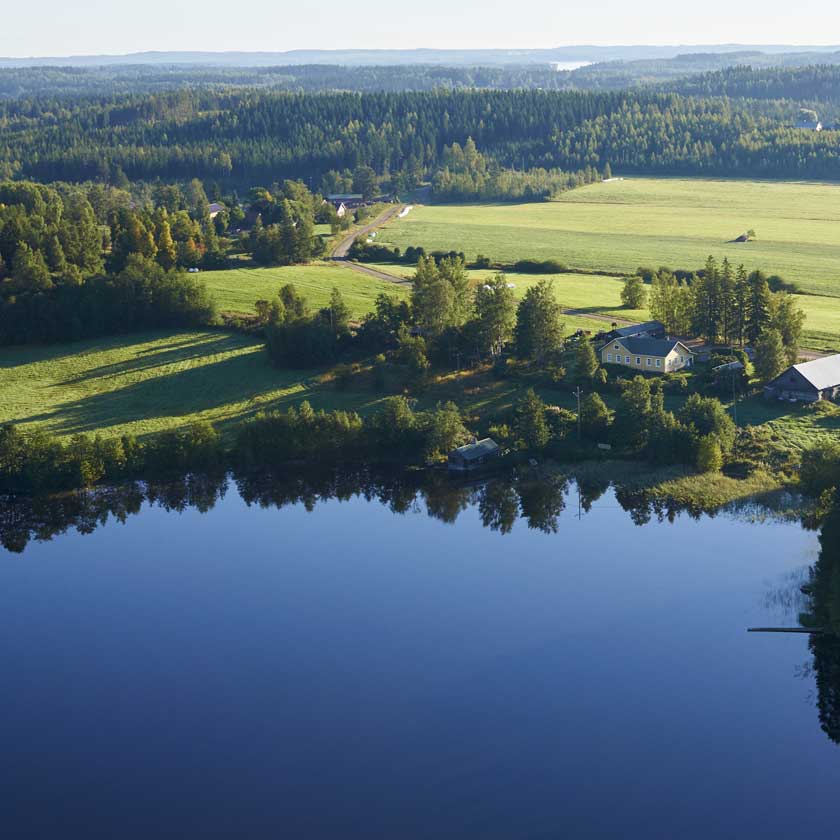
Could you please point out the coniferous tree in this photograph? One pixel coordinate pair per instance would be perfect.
(539, 330)
(770, 355)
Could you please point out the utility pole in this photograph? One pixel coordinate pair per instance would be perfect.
(734, 398)
(577, 394)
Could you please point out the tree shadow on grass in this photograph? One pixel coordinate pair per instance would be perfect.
(161, 355)
(22, 355)
(829, 422)
(244, 383)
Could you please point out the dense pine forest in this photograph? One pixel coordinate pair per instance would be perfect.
(249, 137)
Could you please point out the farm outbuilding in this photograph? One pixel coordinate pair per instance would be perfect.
(808, 382)
(346, 200)
(649, 329)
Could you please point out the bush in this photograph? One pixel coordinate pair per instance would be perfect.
(821, 468)
(539, 267)
(501, 368)
(709, 455)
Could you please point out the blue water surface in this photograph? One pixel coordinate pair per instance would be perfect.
(352, 672)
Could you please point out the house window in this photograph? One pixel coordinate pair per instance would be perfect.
(659, 363)
(609, 357)
(626, 360)
(617, 347)
(638, 360)
(648, 362)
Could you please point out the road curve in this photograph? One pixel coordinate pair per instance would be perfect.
(339, 253)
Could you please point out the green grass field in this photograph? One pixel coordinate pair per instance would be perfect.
(148, 382)
(598, 294)
(622, 224)
(235, 290)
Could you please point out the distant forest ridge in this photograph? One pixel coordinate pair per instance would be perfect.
(806, 76)
(361, 57)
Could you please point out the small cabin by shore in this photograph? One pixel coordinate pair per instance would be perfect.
(474, 455)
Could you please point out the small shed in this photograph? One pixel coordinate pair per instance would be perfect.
(348, 200)
(474, 455)
(650, 329)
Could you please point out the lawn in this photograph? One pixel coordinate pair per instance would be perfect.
(622, 224)
(236, 289)
(798, 425)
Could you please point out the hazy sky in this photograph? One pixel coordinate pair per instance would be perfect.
(58, 27)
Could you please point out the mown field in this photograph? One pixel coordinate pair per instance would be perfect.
(235, 290)
(622, 224)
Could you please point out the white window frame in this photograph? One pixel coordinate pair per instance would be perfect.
(609, 357)
(659, 363)
(649, 362)
(638, 361)
(626, 360)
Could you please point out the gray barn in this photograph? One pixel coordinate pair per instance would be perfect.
(808, 382)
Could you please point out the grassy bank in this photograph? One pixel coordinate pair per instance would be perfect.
(677, 485)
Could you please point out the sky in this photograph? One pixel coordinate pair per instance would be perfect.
(56, 27)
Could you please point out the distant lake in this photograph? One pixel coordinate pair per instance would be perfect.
(569, 65)
(490, 661)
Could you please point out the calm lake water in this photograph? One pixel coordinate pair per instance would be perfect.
(336, 669)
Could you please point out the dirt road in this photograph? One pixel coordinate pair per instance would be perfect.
(342, 249)
(339, 253)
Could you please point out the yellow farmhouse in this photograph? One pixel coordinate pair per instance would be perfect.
(653, 355)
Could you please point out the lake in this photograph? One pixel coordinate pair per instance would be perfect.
(496, 661)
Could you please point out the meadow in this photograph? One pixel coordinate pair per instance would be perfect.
(618, 225)
(147, 382)
(236, 289)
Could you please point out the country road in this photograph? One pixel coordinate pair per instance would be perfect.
(339, 253)
(342, 249)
